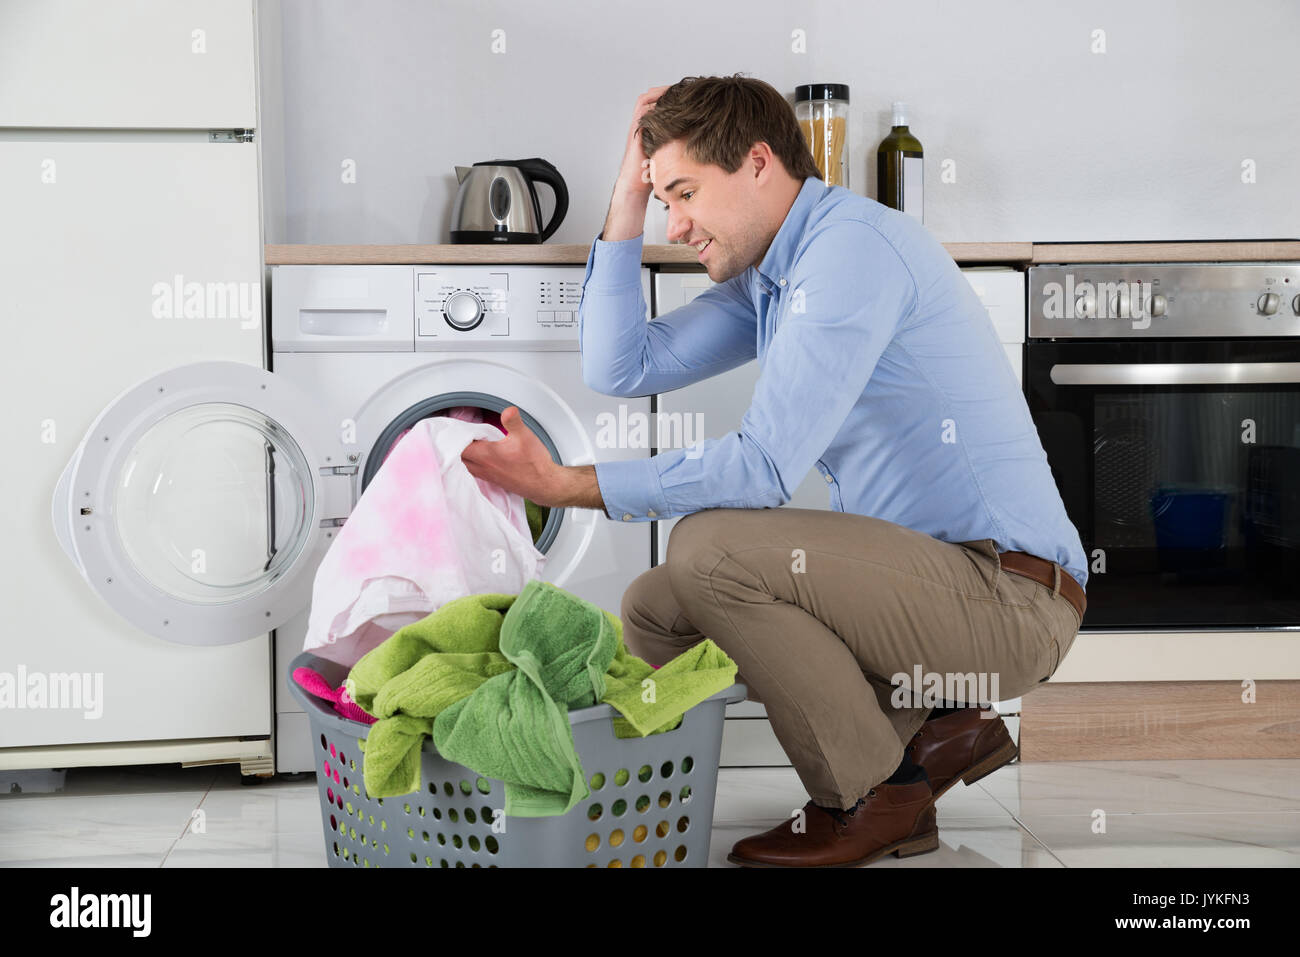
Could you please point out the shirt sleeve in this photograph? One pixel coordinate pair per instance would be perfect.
(624, 355)
(847, 295)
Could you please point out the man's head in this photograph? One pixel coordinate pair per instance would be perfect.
(728, 158)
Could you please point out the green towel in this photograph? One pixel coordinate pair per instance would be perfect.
(416, 673)
(702, 670)
(515, 726)
(494, 690)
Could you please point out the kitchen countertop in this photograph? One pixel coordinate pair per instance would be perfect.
(1012, 254)
(1278, 250)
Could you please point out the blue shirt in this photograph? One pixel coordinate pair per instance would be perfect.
(878, 364)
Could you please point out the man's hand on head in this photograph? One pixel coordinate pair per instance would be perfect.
(635, 183)
(633, 174)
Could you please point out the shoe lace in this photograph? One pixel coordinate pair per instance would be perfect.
(841, 816)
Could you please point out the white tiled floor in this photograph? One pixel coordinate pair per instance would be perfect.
(1110, 814)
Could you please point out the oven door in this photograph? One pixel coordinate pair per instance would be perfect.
(1179, 463)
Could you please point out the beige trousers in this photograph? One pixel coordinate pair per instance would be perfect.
(821, 610)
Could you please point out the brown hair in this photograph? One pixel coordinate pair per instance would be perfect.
(722, 117)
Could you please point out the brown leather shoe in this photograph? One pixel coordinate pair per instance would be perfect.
(896, 819)
(961, 745)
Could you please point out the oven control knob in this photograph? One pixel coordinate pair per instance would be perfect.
(1119, 304)
(1085, 306)
(1295, 305)
(1159, 305)
(1267, 304)
(463, 310)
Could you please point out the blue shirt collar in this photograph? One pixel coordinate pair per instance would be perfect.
(780, 255)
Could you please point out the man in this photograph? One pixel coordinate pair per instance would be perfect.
(948, 552)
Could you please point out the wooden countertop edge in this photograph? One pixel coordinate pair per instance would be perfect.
(576, 253)
(1233, 251)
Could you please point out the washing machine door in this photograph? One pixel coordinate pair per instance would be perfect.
(193, 504)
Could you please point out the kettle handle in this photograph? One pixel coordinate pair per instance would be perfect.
(538, 169)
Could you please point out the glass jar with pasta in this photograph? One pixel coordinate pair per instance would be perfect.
(822, 110)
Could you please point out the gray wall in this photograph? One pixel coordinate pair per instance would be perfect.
(1051, 142)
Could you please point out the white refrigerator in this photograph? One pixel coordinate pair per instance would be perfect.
(131, 248)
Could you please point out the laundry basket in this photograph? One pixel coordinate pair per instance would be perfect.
(651, 801)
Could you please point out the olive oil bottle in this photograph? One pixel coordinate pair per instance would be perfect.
(900, 178)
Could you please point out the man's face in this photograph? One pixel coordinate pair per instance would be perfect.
(706, 203)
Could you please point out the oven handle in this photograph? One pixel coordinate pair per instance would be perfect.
(1176, 373)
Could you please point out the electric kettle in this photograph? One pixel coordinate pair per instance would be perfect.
(497, 202)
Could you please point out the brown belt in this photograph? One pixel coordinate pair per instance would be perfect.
(1045, 572)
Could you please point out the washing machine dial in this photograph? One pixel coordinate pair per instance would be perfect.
(463, 310)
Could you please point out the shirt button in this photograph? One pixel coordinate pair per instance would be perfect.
(627, 517)
(783, 282)
(651, 513)
(829, 478)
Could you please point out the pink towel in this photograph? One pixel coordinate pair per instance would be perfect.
(314, 683)
(424, 532)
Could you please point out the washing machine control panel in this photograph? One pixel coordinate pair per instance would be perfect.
(474, 306)
(457, 302)
(463, 310)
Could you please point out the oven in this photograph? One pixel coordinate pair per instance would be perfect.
(1167, 399)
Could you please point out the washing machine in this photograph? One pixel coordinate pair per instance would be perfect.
(715, 406)
(378, 348)
(201, 501)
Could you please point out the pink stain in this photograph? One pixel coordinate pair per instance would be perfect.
(362, 557)
(426, 531)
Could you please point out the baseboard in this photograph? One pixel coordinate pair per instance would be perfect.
(253, 755)
(1160, 720)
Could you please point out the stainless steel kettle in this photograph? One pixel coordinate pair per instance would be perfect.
(497, 202)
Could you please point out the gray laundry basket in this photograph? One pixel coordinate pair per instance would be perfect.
(651, 801)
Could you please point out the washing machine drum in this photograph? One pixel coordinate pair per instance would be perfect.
(544, 522)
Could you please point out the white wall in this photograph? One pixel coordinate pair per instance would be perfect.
(1051, 142)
